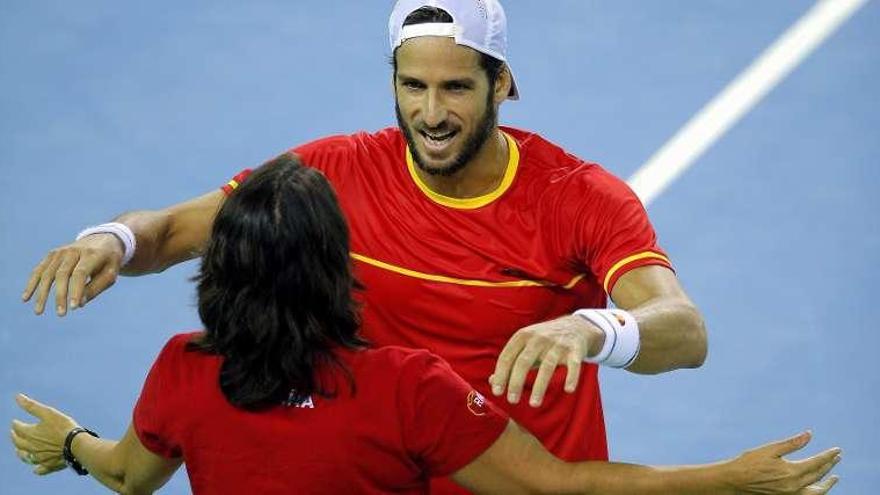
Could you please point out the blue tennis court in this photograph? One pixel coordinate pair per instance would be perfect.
(774, 231)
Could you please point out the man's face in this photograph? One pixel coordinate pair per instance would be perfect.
(444, 104)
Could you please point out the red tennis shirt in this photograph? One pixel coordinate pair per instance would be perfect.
(459, 276)
(410, 417)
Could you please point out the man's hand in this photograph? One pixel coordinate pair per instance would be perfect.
(41, 444)
(561, 342)
(763, 470)
(80, 271)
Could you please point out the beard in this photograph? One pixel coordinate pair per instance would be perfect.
(472, 144)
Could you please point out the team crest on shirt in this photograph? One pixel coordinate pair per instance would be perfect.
(476, 403)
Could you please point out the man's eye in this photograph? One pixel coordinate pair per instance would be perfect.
(457, 87)
(412, 85)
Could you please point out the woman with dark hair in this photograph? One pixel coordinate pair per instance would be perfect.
(279, 394)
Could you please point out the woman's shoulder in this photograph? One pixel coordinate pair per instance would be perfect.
(180, 348)
(389, 361)
(179, 342)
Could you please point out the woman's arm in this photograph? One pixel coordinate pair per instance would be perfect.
(518, 463)
(125, 466)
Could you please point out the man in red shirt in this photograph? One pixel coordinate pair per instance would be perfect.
(485, 244)
(415, 249)
(279, 394)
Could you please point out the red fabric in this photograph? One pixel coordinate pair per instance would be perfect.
(560, 218)
(411, 417)
(236, 181)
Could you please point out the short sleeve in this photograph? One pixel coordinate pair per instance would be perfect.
(446, 423)
(154, 414)
(331, 155)
(334, 156)
(616, 232)
(236, 181)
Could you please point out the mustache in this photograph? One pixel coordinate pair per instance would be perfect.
(443, 127)
(419, 125)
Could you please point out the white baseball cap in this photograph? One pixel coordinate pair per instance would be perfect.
(478, 24)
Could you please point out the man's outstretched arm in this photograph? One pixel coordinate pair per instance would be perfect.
(83, 269)
(672, 330)
(672, 335)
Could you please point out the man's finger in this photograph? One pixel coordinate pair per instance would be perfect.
(503, 365)
(521, 367)
(573, 375)
(100, 282)
(789, 445)
(45, 284)
(62, 277)
(34, 279)
(545, 374)
(81, 275)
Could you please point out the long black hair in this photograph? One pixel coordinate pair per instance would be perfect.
(275, 287)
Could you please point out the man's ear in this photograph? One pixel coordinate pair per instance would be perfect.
(502, 85)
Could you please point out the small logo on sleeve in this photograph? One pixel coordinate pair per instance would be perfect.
(476, 403)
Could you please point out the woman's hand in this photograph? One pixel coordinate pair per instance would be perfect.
(764, 471)
(41, 444)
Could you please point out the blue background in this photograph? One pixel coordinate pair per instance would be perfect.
(108, 106)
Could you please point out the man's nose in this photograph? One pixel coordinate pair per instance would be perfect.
(434, 111)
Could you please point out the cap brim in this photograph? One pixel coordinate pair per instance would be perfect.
(514, 90)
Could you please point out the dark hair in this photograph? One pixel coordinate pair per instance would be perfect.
(491, 65)
(275, 287)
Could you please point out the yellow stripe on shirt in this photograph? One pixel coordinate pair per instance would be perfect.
(479, 201)
(459, 281)
(629, 259)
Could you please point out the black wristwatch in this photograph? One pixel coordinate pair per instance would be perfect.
(68, 455)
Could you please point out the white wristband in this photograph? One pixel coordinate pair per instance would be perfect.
(121, 231)
(621, 330)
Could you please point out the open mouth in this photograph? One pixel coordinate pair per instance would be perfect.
(437, 141)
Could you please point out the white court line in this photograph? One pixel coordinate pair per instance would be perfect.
(740, 96)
